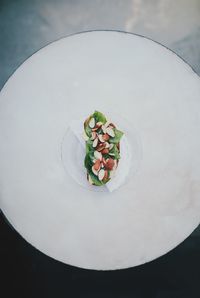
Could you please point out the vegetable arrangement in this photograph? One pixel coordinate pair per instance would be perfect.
(102, 148)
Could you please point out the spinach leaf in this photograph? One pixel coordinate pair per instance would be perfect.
(88, 161)
(95, 179)
(117, 137)
(115, 151)
(89, 147)
(88, 130)
(99, 117)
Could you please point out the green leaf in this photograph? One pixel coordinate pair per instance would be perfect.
(106, 156)
(116, 153)
(89, 158)
(88, 161)
(95, 179)
(117, 137)
(105, 181)
(88, 130)
(99, 117)
(89, 147)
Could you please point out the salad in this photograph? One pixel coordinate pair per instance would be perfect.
(102, 148)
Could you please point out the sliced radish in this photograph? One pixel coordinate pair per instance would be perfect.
(110, 164)
(95, 172)
(105, 151)
(97, 165)
(101, 146)
(106, 137)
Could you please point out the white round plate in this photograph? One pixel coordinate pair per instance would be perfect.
(109, 71)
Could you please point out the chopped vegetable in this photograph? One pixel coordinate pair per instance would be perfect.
(102, 148)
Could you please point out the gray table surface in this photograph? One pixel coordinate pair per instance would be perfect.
(26, 26)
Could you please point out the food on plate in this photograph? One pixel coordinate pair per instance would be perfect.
(102, 148)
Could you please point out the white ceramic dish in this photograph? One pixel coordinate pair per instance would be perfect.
(109, 71)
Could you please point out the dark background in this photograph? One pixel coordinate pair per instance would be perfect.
(26, 26)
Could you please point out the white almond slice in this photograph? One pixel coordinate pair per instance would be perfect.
(101, 174)
(86, 138)
(107, 145)
(90, 180)
(92, 123)
(110, 132)
(99, 124)
(93, 135)
(101, 139)
(104, 129)
(95, 142)
(98, 155)
(94, 171)
(107, 123)
(111, 154)
(111, 146)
